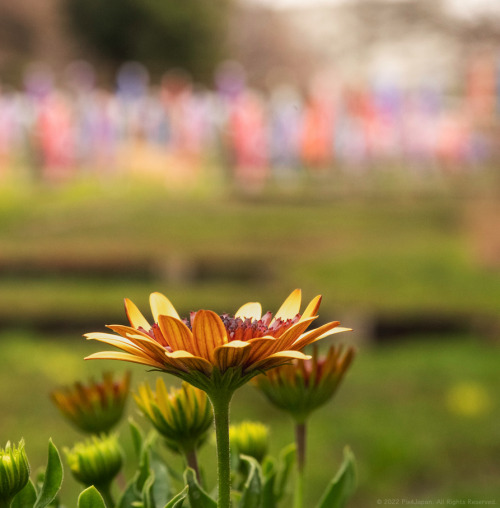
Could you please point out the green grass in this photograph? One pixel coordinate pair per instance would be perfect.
(400, 254)
(393, 410)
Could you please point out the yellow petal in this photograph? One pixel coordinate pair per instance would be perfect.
(127, 331)
(291, 306)
(137, 320)
(251, 310)
(125, 345)
(277, 359)
(284, 341)
(261, 347)
(318, 334)
(187, 362)
(113, 355)
(231, 355)
(209, 333)
(312, 308)
(161, 306)
(177, 334)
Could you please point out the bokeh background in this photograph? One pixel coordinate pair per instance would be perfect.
(228, 151)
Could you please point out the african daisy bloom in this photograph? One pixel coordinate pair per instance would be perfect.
(209, 350)
(216, 353)
(94, 407)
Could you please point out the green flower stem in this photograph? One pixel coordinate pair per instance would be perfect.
(105, 491)
(192, 462)
(220, 402)
(300, 443)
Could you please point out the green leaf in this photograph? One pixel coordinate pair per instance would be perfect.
(269, 471)
(130, 495)
(342, 486)
(286, 462)
(198, 498)
(252, 489)
(178, 500)
(161, 485)
(137, 437)
(52, 480)
(90, 498)
(26, 497)
(148, 500)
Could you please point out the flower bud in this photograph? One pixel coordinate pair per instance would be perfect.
(304, 385)
(14, 471)
(250, 438)
(183, 417)
(94, 407)
(95, 461)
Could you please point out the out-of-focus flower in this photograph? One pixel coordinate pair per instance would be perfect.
(95, 461)
(305, 385)
(469, 399)
(250, 438)
(183, 417)
(215, 352)
(95, 407)
(14, 471)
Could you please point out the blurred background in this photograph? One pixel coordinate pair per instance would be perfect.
(232, 150)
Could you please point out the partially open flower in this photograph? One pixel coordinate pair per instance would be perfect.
(14, 471)
(305, 385)
(95, 461)
(250, 438)
(95, 407)
(183, 417)
(215, 352)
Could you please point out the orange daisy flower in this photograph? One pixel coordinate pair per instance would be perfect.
(210, 350)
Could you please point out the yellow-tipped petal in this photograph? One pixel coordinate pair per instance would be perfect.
(231, 354)
(209, 333)
(161, 306)
(113, 355)
(312, 308)
(177, 334)
(261, 347)
(291, 306)
(137, 320)
(187, 361)
(127, 331)
(315, 335)
(279, 358)
(284, 341)
(251, 310)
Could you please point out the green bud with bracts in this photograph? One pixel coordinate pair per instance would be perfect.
(305, 385)
(96, 461)
(250, 438)
(14, 472)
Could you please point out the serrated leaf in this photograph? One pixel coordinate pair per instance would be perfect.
(285, 466)
(342, 486)
(178, 500)
(52, 480)
(252, 489)
(198, 498)
(26, 497)
(90, 498)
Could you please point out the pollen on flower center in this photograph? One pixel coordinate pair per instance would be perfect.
(246, 329)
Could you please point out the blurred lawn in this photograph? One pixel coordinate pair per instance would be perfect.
(393, 410)
(421, 416)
